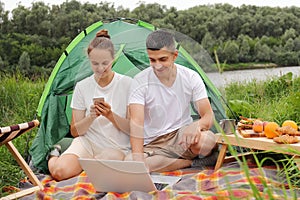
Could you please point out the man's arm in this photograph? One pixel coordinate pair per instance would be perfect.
(206, 114)
(193, 138)
(137, 131)
(192, 133)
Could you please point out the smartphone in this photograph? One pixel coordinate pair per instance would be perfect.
(98, 100)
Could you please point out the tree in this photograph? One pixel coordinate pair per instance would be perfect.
(284, 58)
(1, 63)
(289, 45)
(24, 63)
(297, 44)
(231, 52)
(208, 42)
(218, 25)
(262, 52)
(149, 12)
(38, 18)
(288, 34)
(244, 50)
(44, 32)
(19, 23)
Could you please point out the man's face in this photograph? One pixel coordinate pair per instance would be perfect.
(161, 60)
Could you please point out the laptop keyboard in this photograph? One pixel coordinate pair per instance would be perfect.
(160, 186)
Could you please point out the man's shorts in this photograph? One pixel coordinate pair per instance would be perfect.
(167, 145)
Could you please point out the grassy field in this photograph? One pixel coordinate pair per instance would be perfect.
(276, 100)
(19, 98)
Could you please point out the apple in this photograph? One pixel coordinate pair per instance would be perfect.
(264, 124)
(258, 126)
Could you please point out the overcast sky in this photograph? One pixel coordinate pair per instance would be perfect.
(179, 4)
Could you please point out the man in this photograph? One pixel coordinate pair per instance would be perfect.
(162, 132)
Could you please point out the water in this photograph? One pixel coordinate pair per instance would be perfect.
(244, 76)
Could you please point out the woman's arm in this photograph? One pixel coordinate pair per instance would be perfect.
(81, 123)
(119, 122)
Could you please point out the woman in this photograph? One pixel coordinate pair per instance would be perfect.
(100, 128)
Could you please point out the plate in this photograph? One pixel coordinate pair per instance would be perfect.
(250, 133)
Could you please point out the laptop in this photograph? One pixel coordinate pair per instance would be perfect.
(123, 176)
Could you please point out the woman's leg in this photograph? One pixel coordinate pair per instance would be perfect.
(67, 165)
(64, 167)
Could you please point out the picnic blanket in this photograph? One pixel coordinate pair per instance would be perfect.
(227, 183)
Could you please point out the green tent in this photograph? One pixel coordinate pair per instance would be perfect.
(128, 36)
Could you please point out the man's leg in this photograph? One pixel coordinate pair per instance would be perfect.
(110, 154)
(159, 163)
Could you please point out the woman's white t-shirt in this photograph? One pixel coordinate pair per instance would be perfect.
(166, 108)
(102, 133)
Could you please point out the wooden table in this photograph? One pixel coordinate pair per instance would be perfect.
(258, 143)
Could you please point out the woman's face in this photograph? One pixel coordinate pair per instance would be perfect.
(101, 62)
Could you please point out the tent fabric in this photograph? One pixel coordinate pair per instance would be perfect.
(129, 38)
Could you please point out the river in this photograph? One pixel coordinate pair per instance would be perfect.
(244, 76)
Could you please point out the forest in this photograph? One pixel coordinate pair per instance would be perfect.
(32, 39)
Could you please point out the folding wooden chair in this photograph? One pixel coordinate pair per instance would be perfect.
(7, 134)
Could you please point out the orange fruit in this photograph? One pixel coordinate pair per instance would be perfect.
(290, 123)
(270, 130)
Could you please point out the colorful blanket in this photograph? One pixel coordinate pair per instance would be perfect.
(227, 183)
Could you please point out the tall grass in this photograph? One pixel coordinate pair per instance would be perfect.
(19, 99)
(276, 99)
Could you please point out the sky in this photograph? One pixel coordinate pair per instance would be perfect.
(179, 4)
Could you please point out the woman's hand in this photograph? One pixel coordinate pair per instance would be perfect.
(94, 113)
(104, 109)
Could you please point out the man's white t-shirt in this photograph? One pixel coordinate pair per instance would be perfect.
(166, 108)
(102, 133)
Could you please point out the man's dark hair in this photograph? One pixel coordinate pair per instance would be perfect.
(160, 39)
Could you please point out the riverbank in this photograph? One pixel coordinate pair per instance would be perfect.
(220, 80)
(244, 66)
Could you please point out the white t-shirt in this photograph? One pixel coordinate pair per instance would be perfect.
(102, 133)
(166, 108)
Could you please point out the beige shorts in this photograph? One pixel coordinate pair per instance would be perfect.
(81, 148)
(167, 145)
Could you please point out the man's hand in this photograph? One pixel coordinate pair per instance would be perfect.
(138, 157)
(190, 137)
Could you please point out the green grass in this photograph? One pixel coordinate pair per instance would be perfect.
(19, 98)
(276, 99)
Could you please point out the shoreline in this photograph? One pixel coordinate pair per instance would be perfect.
(247, 75)
(251, 66)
